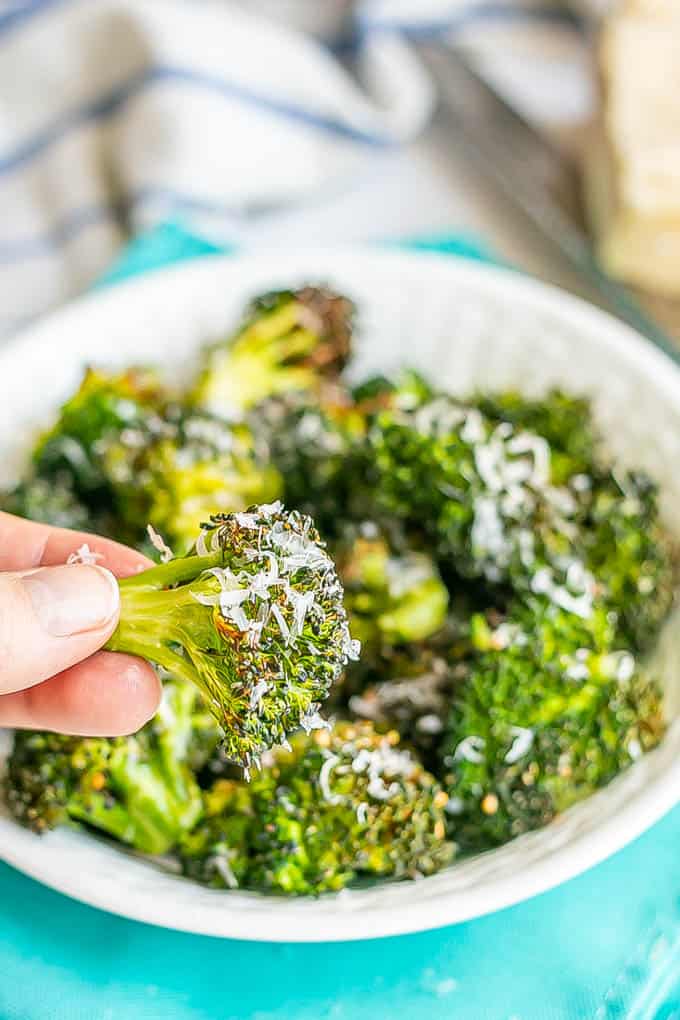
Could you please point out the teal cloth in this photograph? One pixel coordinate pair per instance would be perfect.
(605, 945)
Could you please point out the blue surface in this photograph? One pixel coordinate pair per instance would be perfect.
(605, 945)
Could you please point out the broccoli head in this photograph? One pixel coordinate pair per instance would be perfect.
(483, 493)
(316, 443)
(411, 693)
(253, 615)
(50, 502)
(628, 552)
(392, 598)
(103, 408)
(195, 466)
(288, 341)
(563, 420)
(513, 508)
(550, 710)
(139, 790)
(336, 807)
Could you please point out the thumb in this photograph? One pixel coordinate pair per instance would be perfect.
(51, 618)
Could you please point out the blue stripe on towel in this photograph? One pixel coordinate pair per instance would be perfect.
(24, 10)
(113, 100)
(475, 14)
(22, 249)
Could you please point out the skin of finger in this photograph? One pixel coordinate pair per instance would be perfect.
(107, 695)
(26, 544)
(28, 654)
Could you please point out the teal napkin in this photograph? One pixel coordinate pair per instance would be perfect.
(605, 945)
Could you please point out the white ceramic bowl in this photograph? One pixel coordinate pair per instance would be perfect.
(466, 326)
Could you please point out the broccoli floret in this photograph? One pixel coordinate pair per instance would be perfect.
(564, 420)
(412, 694)
(628, 552)
(197, 465)
(482, 492)
(50, 502)
(504, 506)
(316, 443)
(288, 341)
(550, 711)
(103, 407)
(139, 790)
(392, 598)
(253, 615)
(338, 806)
(407, 391)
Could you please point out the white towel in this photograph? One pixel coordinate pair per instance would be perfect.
(118, 114)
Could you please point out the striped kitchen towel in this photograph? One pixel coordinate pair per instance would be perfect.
(116, 115)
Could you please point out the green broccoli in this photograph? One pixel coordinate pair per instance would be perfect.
(104, 407)
(139, 790)
(411, 692)
(50, 502)
(481, 492)
(338, 806)
(288, 341)
(392, 598)
(629, 553)
(253, 615)
(197, 465)
(506, 507)
(316, 443)
(551, 710)
(563, 420)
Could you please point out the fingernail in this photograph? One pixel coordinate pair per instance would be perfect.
(72, 599)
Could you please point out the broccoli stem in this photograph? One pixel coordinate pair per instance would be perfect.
(178, 571)
(153, 614)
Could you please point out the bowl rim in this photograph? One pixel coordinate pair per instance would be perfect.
(333, 918)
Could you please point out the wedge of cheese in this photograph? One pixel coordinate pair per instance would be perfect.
(633, 161)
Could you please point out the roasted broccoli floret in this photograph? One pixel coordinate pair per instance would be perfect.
(392, 598)
(628, 552)
(253, 615)
(139, 790)
(482, 492)
(288, 341)
(103, 408)
(563, 420)
(411, 692)
(196, 466)
(338, 806)
(550, 711)
(506, 507)
(50, 502)
(316, 443)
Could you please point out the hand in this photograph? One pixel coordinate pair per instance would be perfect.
(53, 620)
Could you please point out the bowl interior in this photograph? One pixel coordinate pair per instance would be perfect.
(466, 327)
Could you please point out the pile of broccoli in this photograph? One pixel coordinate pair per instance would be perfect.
(504, 578)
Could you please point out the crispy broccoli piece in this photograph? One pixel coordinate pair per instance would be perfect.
(50, 502)
(406, 391)
(316, 443)
(338, 806)
(103, 408)
(506, 507)
(196, 466)
(630, 555)
(412, 694)
(288, 341)
(139, 790)
(482, 492)
(392, 598)
(253, 615)
(563, 420)
(550, 711)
